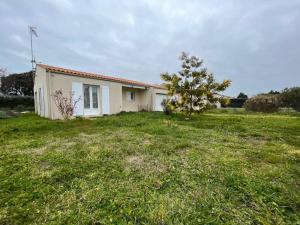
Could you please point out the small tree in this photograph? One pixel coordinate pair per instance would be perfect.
(65, 105)
(193, 89)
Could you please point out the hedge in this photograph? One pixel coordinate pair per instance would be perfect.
(290, 97)
(235, 103)
(263, 103)
(14, 101)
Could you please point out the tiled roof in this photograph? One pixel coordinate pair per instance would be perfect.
(96, 76)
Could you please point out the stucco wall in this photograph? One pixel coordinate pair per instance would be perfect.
(64, 82)
(155, 91)
(40, 81)
(139, 102)
(144, 98)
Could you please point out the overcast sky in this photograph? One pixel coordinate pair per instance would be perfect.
(254, 43)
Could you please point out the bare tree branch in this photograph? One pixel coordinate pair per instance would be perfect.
(65, 105)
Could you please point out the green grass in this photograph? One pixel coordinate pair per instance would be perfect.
(148, 168)
(13, 112)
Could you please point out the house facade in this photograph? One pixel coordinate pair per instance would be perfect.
(98, 94)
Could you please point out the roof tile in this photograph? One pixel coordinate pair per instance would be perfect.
(97, 76)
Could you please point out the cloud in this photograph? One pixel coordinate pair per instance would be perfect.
(253, 43)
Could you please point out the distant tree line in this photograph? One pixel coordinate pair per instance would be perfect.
(271, 101)
(290, 97)
(20, 84)
(16, 89)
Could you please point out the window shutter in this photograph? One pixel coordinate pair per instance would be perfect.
(105, 100)
(78, 94)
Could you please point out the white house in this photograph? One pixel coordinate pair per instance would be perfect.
(98, 94)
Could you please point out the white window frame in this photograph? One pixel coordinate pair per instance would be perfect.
(91, 111)
(131, 96)
(90, 88)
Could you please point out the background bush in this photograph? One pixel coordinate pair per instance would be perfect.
(235, 103)
(16, 101)
(20, 84)
(290, 97)
(263, 103)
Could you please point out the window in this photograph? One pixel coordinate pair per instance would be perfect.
(131, 96)
(86, 89)
(95, 97)
(90, 93)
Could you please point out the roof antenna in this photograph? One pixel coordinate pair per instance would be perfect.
(32, 30)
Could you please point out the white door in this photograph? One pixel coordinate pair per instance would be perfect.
(105, 100)
(91, 100)
(77, 90)
(158, 100)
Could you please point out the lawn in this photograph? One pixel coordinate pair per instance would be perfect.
(148, 168)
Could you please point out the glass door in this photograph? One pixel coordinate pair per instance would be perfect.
(91, 100)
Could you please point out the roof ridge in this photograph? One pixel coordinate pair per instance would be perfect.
(96, 75)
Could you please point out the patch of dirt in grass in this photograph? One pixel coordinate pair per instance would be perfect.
(136, 160)
(146, 142)
(42, 169)
(116, 135)
(256, 141)
(44, 164)
(157, 166)
(142, 162)
(56, 144)
(65, 144)
(295, 152)
(182, 148)
(68, 144)
(86, 138)
(89, 139)
(37, 151)
(170, 123)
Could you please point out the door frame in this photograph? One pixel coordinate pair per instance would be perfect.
(156, 107)
(91, 111)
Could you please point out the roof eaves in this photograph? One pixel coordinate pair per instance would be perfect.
(96, 76)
